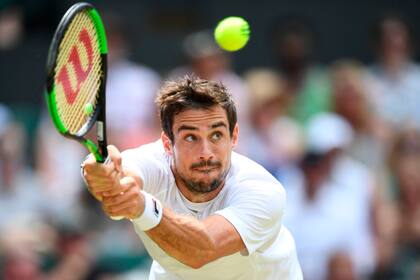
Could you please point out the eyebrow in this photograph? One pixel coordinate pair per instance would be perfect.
(213, 126)
(218, 124)
(186, 127)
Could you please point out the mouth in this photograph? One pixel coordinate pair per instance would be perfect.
(205, 170)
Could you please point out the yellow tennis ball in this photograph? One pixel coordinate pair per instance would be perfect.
(232, 33)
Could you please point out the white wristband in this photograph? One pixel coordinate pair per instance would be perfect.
(152, 214)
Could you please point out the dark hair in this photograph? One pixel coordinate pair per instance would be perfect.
(377, 28)
(284, 26)
(191, 92)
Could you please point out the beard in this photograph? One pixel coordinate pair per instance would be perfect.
(199, 186)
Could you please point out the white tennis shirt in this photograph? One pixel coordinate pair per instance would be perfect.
(251, 200)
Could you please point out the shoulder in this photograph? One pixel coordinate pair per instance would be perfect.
(148, 72)
(255, 203)
(136, 71)
(245, 169)
(318, 71)
(155, 147)
(413, 71)
(250, 182)
(414, 67)
(353, 174)
(346, 164)
(149, 152)
(151, 163)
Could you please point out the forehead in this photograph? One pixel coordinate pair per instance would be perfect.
(200, 117)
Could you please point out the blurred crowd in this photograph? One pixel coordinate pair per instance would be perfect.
(343, 139)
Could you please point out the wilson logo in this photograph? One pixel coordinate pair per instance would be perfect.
(81, 74)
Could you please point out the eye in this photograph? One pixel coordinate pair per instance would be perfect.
(216, 136)
(190, 138)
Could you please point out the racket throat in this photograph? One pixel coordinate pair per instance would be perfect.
(90, 145)
(101, 131)
(101, 136)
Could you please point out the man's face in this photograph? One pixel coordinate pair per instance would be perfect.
(202, 148)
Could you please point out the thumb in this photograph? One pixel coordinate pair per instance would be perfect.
(115, 156)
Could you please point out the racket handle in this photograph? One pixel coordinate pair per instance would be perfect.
(116, 218)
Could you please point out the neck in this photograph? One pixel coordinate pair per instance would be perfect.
(393, 65)
(195, 196)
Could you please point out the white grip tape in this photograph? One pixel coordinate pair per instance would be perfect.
(152, 214)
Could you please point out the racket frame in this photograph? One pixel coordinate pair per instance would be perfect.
(99, 115)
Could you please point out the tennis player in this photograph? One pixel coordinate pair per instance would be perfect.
(201, 210)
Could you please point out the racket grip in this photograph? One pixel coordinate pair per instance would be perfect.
(117, 218)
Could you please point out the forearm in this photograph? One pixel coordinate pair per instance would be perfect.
(184, 238)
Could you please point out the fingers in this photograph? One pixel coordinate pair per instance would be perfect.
(120, 197)
(121, 209)
(124, 184)
(100, 177)
(115, 156)
(126, 209)
(89, 159)
(102, 180)
(128, 203)
(125, 213)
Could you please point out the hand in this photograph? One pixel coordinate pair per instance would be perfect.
(103, 177)
(129, 203)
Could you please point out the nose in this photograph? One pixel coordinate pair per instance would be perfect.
(206, 152)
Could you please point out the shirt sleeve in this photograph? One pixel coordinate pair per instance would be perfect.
(150, 169)
(256, 212)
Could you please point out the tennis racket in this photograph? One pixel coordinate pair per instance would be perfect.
(76, 77)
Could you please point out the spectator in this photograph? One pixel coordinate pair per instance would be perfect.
(272, 138)
(131, 90)
(330, 205)
(20, 189)
(350, 100)
(57, 158)
(395, 92)
(307, 83)
(405, 163)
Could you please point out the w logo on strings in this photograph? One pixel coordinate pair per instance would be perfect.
(81, 74)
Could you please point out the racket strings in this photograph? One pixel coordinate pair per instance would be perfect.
(80, 65)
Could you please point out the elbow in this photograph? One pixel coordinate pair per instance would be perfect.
(197, 261)
(202, 255)
(197, 264)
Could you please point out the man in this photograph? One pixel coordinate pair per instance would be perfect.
(394, 83)
(307, 82)
(201, 210)
(330, 203)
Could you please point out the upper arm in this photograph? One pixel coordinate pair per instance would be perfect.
(248, 223)
(256, 215)
(226, 239)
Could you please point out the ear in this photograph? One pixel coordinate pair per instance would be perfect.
(235, 135)
(167, 143)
